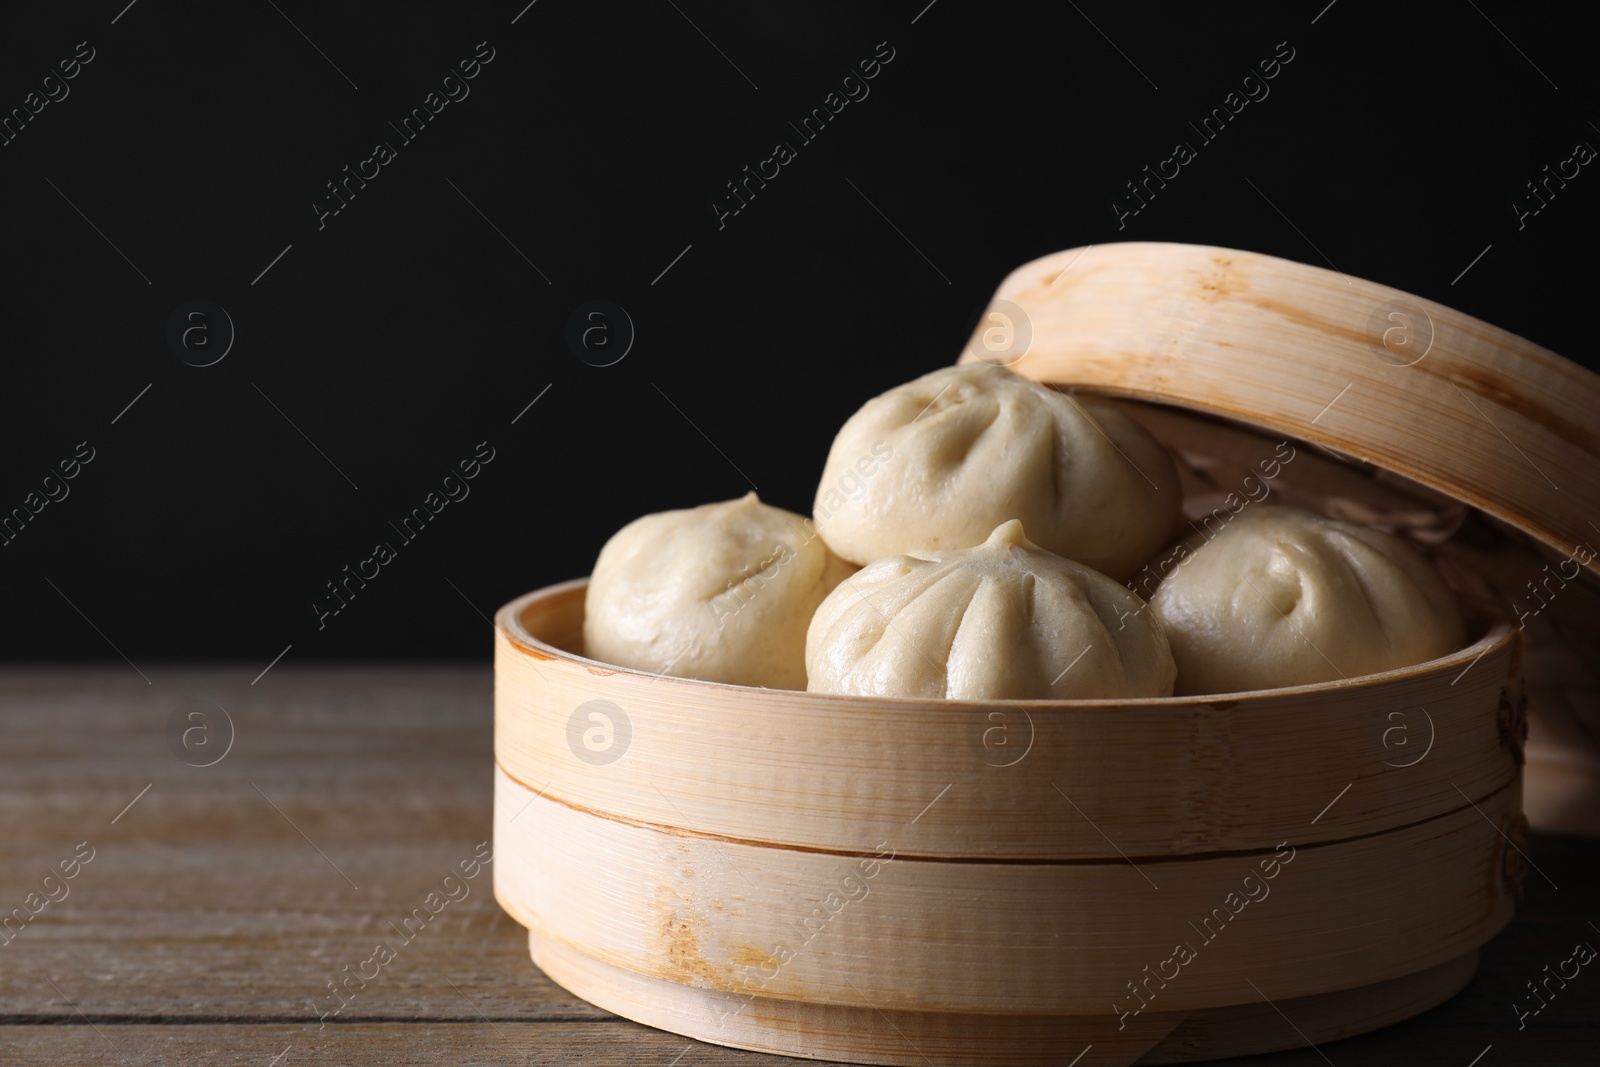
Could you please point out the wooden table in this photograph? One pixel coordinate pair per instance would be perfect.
(221, 901)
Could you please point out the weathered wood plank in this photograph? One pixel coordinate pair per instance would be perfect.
(617, 1044)
(478, 1044)
(202, 900)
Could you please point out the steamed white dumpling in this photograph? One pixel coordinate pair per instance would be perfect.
(941, 461)
(1282, 596)
(721, 592)
(1002, 620)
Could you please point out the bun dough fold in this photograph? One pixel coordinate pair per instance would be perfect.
(1282, 596)
(970, 447)
(1003, 620)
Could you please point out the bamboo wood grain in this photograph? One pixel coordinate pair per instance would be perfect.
(1102, 779)
(856, 1034)
(1023, 938)
(1482, 415)
(1247, 1029)
(1217, 456)
(914, 1038)
(1559, 621)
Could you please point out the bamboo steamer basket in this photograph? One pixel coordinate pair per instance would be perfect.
(1025, 882)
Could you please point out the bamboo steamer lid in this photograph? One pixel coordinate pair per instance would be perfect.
(1377, 375)
(1404, 383)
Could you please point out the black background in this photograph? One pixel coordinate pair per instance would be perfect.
(407, 329)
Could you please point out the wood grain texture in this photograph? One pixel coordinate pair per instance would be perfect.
(1418, 1043)
(477, 1043)
(1026, 938)
(1409, 384)
(914, 1038)
(202, 900)
(205, 922)
(1089, 779)
(1559, 619)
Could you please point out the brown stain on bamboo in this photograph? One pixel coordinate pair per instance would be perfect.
(1316, 323)
(1220, 280)
(751, 956)
(1496, 388)
(679, 931)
